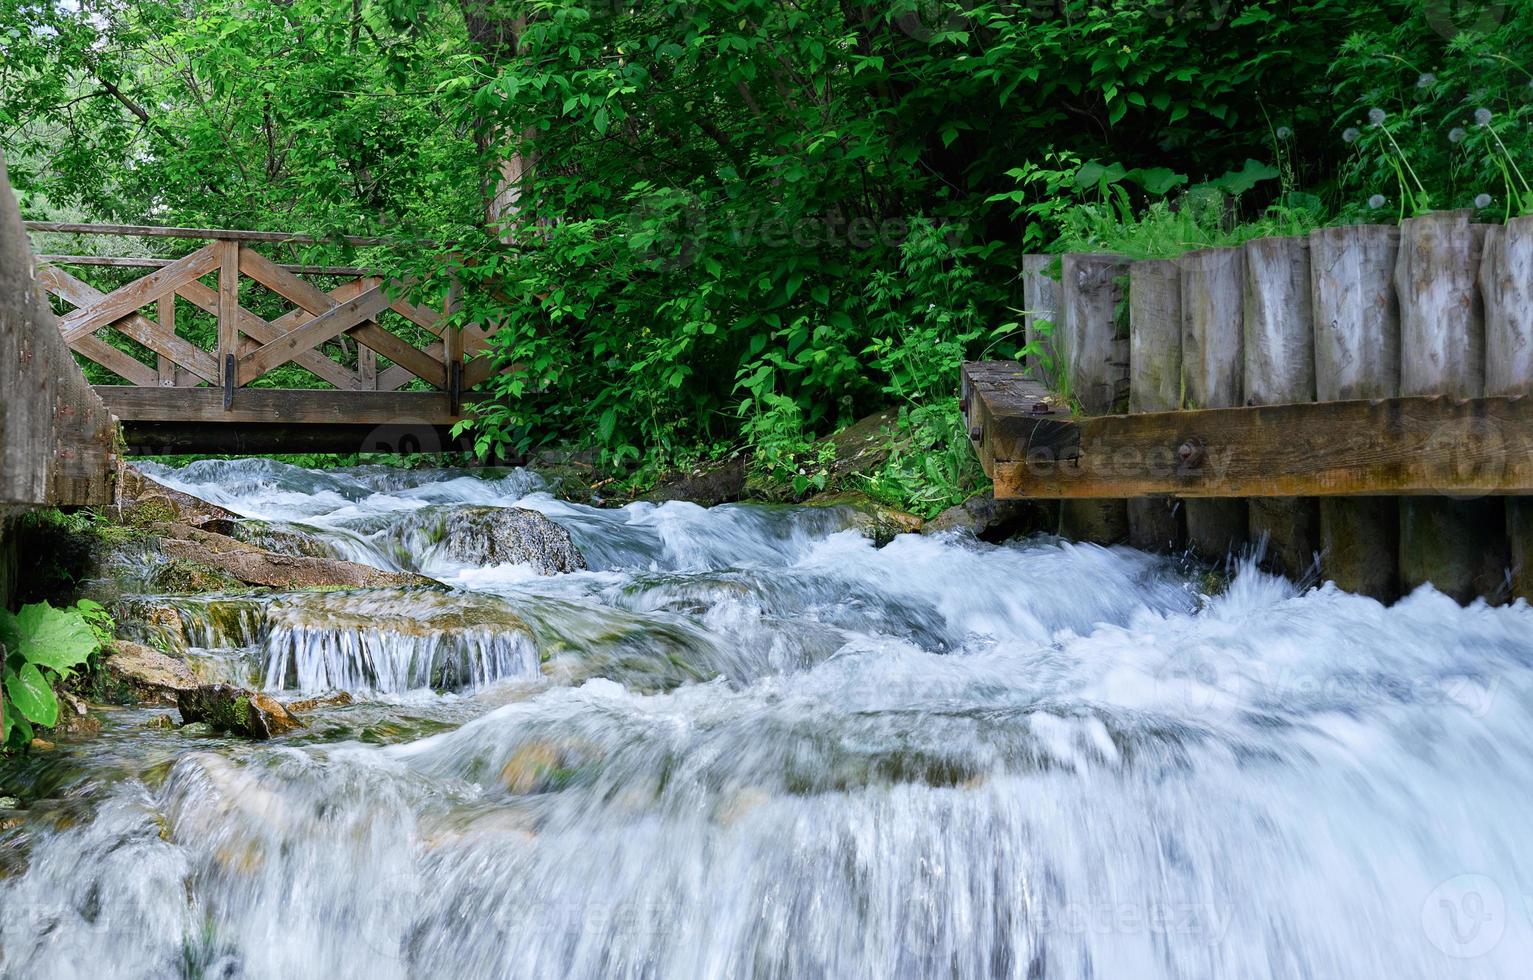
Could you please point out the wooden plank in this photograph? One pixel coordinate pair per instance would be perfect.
(163, 342)
(1357, 355)
(1155, 385)
(167, 317)
(1040, 319)
(228, 308)
(284, 283)
(129, 368)
(1506, 284)
(1096, 371)
(258, 331)
(121, 302)
(336, 320)
(401, 352)
(1454, 545)
(277, 405)
(425, 319)
(1280, 368)
(210, 234)
(1213, 368)
(129, 262)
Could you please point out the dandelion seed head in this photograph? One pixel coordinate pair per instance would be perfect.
(1457, 134)
(1377, 116)
(1482, 117)
(1483, 201)
(1377, 201)
(1283, 133)
(1427, 80)
(1350, 134)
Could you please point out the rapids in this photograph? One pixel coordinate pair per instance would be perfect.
(747, 743)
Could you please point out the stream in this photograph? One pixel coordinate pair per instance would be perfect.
(747, 742)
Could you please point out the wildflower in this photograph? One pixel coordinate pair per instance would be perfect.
(1482, 202)
(1284, 133)
(1377, 201)
(1377, 116)
(1482, 117)
(1457, 134)
(1350, 134)
(1427, 80)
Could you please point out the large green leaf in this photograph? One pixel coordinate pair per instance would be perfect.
(59, 639)
(8, 635)
(31, 696)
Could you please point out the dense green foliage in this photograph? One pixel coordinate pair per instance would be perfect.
(753, 220)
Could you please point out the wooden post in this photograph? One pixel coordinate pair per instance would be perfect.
(228, 312)
(1040, 296)
(1506, 284)
(1155, 385)
(166, 368)
(1096, 369)
(1357, 355)
(1280, 369)
(1213, 369)
(1455, 545)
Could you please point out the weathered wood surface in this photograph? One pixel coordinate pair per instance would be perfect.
(56, 437)
(1280, 369)
(1412, 446)
(1213, 371)
(1454, 545)
(278, 405)
(1096, 353)
(1040, 318)
(1155, 385)
(130, 262)
(1357, 355)
(209, 234)
(1506, 284)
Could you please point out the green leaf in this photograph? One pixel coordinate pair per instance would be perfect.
(31, 696)
(59, 639)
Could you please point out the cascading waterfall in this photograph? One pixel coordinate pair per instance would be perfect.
(748, 743)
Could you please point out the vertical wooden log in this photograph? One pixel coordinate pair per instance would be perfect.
(167, 318)
(1096, 370)
(1280, 369)
(1456, 545)
(1213, 370)
(1155, 384)
(1357, 355)
(1040, 322)
(228, 308)
(1506, 285)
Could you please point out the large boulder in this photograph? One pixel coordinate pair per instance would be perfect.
(237, 710)
(508, 535)
(878, 521)
(146, 675)
(145, 502)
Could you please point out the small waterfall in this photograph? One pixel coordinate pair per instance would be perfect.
(393, 642)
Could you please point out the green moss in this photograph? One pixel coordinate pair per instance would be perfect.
(181, 576)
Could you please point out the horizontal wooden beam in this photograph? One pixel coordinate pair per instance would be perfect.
(259, 438)
(127, 262)
(201, 406)
(1397, 446)
(207, 234)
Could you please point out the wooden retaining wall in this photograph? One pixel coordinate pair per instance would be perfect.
(56, 436)
(1418, 339)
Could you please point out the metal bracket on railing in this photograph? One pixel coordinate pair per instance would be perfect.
(455, 386)
(229, 370)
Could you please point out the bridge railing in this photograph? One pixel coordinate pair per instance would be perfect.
(338, 334)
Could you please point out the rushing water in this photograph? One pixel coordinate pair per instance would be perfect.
(748, 743)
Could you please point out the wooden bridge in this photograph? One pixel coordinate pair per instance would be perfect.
(362, 368)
